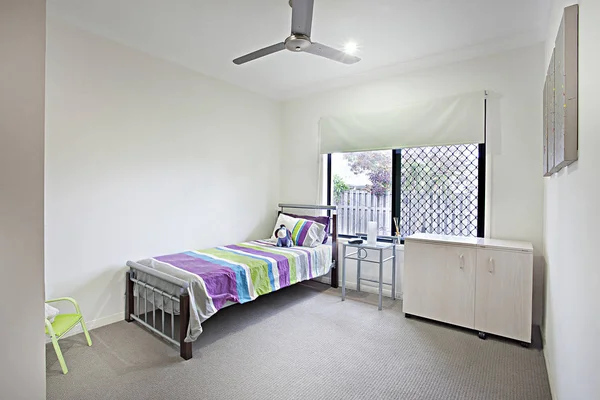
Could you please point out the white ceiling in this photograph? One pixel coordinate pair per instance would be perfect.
(393, 35)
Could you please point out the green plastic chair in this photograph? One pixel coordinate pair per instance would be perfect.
(61, 325)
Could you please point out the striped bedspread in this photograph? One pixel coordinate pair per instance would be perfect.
(239, 273)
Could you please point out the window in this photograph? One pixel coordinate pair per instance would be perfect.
(428, 189)
(361, 188)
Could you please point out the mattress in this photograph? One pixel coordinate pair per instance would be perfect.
(237, 273)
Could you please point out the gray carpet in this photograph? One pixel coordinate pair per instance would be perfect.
(301, 343)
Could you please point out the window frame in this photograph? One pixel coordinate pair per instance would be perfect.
(396, 182)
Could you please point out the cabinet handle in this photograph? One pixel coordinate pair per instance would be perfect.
(491, 267)
(462, 261)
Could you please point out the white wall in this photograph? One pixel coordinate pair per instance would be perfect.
(145, 158)
(22, 48)
(571, 218)
(515, 193)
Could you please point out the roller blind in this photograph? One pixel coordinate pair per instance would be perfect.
(445, 121)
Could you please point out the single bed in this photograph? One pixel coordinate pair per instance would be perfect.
(196, 284)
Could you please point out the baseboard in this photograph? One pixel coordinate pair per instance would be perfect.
(93, 324)
(372, 288)
(323, 279)
(366, 287)
(543, 336)
(550, 375)
(549, 370)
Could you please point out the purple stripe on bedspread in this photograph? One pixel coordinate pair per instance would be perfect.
(283, 265)
(220, 281)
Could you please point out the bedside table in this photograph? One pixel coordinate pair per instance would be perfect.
(360, 256)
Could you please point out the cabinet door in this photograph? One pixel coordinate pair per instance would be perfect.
(422, 263)
(461, 263)
(439, 282)
(504, 284)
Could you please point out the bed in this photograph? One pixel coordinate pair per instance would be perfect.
(196, 284)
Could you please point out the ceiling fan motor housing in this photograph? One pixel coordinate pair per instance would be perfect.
(297, 42)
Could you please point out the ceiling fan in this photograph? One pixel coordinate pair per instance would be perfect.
(299, 40)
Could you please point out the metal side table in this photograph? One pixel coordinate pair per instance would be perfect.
(360, 256)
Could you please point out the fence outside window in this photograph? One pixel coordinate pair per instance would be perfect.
(357, 206)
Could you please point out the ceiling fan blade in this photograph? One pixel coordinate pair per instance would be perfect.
(260, 53)
(319, 49)
(302, 13)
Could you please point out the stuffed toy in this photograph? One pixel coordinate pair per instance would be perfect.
(284, 237)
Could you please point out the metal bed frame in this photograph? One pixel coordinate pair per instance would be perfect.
(133, 309)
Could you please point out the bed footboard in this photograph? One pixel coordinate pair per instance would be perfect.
(134, 311)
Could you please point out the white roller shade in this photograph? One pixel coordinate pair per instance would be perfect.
(445, 121)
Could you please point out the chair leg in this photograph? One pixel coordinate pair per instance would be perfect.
(61, 360)
(85, 331)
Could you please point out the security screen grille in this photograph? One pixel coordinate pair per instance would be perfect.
(439, 190)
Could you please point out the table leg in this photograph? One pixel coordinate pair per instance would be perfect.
(358, 275)
(344, 272)
(394, 273)
(380, 277)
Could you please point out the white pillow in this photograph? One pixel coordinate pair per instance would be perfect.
(51, 312)
(321, 236)
(304, 232)
(286, 220)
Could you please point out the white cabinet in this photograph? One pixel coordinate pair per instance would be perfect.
(477, 283)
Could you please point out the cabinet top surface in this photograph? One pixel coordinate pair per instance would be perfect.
(472, 241)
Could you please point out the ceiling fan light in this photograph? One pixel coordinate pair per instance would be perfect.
(350, 47)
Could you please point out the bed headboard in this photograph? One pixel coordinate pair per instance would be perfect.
(332, 212)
